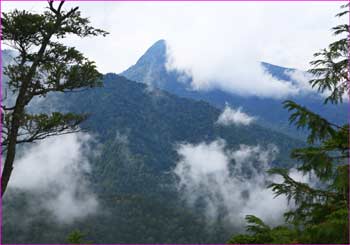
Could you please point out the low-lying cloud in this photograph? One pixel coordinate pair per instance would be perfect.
(301, 79)
(230, 184)
(250, 79)
(54, 172)
(231, 116)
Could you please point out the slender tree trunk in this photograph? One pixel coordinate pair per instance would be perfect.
(24, 97)
(21, 101)
(10, 154)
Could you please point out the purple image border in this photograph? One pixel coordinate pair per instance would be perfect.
(159, 1)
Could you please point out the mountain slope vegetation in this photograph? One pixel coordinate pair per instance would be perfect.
(151, 70)
(136, 133)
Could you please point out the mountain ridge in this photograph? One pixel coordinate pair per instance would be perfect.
(151, 69)
(138, 131)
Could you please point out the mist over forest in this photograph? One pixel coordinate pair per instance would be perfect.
(198, 140)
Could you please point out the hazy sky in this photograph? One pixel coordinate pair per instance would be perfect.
(283, 33)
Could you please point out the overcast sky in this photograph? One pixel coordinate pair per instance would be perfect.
(219, 44)
(283, 33)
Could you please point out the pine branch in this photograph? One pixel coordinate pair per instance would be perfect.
(319, 127)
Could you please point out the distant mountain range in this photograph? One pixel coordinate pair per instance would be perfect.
(137, 131)
(137, 127)
(151, 70)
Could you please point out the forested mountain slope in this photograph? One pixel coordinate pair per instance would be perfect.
(151, 70)
(136, 133)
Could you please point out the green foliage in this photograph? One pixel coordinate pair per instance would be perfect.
(331, 66)
(137, 194)
(261, 233)
(258, 226)
(318, 127)
(75, 237)
(320, 212)
(39, 126)
(333, 228)
(43, 65)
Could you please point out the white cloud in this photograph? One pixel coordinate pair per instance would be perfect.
(301, 78)
(231, 116)
(227, 190)
(54, 172)
(214, 37)
(229, 69)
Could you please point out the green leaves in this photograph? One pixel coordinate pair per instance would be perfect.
(77, 25)
(331, 67)
(294, 190)
(22, 28)
(314, 160)
(334, 228)
(327, 161)
(45, 66)
(67, 70)
(320, 212)
(76, 237)
(319, 127)
(341, 182)
(35, 127)
(261, 233)
(56, 122)
(256, 225)
(259, 230)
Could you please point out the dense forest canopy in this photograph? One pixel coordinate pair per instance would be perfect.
(162, 163)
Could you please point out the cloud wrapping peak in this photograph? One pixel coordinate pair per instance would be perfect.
(54, 172)
(301, 79)
(235, 74)
(230, 116)
(259, 31)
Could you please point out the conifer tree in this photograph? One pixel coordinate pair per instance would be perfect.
(43, 65)
(320, 212)
(76, 237)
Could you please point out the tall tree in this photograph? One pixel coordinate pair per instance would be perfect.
(43, 65)
(320, 212)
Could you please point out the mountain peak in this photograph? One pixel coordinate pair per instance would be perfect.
(155, 54)
(153, 60)
(159, 44)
